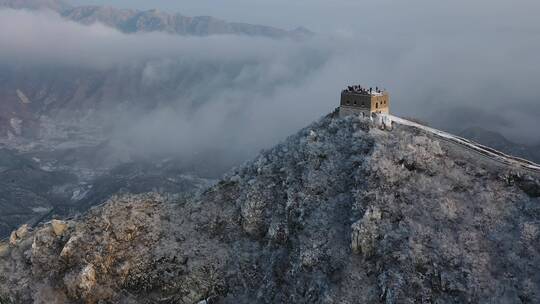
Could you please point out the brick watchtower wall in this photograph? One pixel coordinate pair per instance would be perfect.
(363, 103)
(354, 103)
(380, 104)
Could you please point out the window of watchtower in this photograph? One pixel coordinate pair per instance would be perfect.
(376, 105)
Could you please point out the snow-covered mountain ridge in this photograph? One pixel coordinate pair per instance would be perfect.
(341, 212)
(132, 21)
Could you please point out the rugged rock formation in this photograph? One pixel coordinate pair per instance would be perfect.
(339, 213)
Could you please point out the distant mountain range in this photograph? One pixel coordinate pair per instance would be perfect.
(131, 21)
(56, 5)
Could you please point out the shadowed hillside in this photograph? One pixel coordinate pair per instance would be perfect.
(338, 213)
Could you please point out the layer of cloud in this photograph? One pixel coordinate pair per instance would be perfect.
(246, 93)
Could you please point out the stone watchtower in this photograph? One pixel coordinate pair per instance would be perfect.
(363, 101)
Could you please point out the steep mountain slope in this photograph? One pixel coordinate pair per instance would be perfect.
(33, 97)
(338, 213)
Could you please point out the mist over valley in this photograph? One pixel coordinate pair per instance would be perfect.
(210, 158)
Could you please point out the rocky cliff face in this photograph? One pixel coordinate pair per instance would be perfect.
(338, 213)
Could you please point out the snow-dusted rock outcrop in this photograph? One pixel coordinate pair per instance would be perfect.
(338, 213)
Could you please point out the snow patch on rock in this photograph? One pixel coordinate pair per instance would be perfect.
(22, 98)
(16, 125)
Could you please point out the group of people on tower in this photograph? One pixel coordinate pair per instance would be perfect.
(362, 90)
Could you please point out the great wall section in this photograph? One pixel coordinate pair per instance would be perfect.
(374, 103)
(387, 120)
